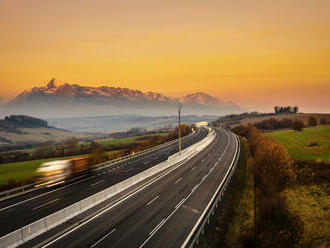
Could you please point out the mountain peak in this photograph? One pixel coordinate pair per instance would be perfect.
(55, 83)
(200, 98)
(72, 99)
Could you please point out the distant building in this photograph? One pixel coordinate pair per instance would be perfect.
(201, 124)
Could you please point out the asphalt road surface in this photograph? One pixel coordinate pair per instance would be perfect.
(162, 214)
(24, 209)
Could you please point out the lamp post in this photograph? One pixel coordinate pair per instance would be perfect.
(179, 112)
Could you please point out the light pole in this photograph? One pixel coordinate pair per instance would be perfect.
(179, 112)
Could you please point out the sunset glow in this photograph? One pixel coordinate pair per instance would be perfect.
(253, 52)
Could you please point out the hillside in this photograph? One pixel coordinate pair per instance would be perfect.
(22, 130)
(252, 118)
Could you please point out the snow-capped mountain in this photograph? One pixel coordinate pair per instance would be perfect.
(61, 99)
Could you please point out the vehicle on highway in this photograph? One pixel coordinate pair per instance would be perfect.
(56, 172)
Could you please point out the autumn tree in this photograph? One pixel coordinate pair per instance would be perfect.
(298, 125)
(323, 121)
(312, 121)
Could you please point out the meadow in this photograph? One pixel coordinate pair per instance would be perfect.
(300, 144)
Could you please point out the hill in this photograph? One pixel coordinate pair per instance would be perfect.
(23, 131)
(254, 117)
(60, 99)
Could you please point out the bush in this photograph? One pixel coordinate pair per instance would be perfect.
(313, 143)
(298, 125)
(323, 121)
(312, 121)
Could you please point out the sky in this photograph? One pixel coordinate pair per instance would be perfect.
(255, 53)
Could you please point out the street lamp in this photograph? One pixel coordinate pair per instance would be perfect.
(179, 112)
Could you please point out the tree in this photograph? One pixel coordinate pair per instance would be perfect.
(312, 121)
(298, 125)
(295, 109)
(323, 121)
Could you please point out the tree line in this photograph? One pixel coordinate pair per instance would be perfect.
(286, 109)
(275, 124)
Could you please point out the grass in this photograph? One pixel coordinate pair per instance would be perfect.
(101, 141)
(123, 140)
(235, 218)
(312, 204)
(297, 143)
(24, 170)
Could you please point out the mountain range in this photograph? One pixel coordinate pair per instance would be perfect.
(61, 99)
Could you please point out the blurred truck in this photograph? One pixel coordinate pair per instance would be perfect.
(56, 172)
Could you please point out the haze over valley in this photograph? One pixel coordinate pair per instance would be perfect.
(59, 99)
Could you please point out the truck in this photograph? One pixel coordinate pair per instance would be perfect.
(56, 172)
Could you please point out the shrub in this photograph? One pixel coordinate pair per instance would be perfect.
(313, 143)
(298, 125)
(323, 121)
(312, 121)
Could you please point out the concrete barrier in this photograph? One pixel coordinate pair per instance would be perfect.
(34, 229)
(72, 210)
(28, 232)
(55, 219)
(12, 239)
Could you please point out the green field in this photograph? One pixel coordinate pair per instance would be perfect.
(123, 140)
(25, 170)
(297, 143)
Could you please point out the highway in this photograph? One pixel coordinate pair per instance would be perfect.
(163, 213)
(18, 211)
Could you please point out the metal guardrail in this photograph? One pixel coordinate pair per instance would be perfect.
(30, 187)
(204, 220)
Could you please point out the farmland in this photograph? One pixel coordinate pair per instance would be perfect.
(311, 144)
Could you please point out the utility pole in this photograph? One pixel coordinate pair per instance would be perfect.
(179, 112)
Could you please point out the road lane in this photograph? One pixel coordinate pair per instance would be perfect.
(169, 218)
(21, 214)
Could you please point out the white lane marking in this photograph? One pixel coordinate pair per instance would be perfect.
(217, 191)
(152, 200)
(178, 180)
(193, 168)
(180, 203)
(175, 209)
(123, 198)
(35, 197)
(94, 184)
(157, 227)
(128, 170)
(194, 188)
(103, 237)
(47, 203)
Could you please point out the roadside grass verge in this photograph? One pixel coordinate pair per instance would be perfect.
(298, 143)
(234, 219)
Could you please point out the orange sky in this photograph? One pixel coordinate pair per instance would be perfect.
(256, 53)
